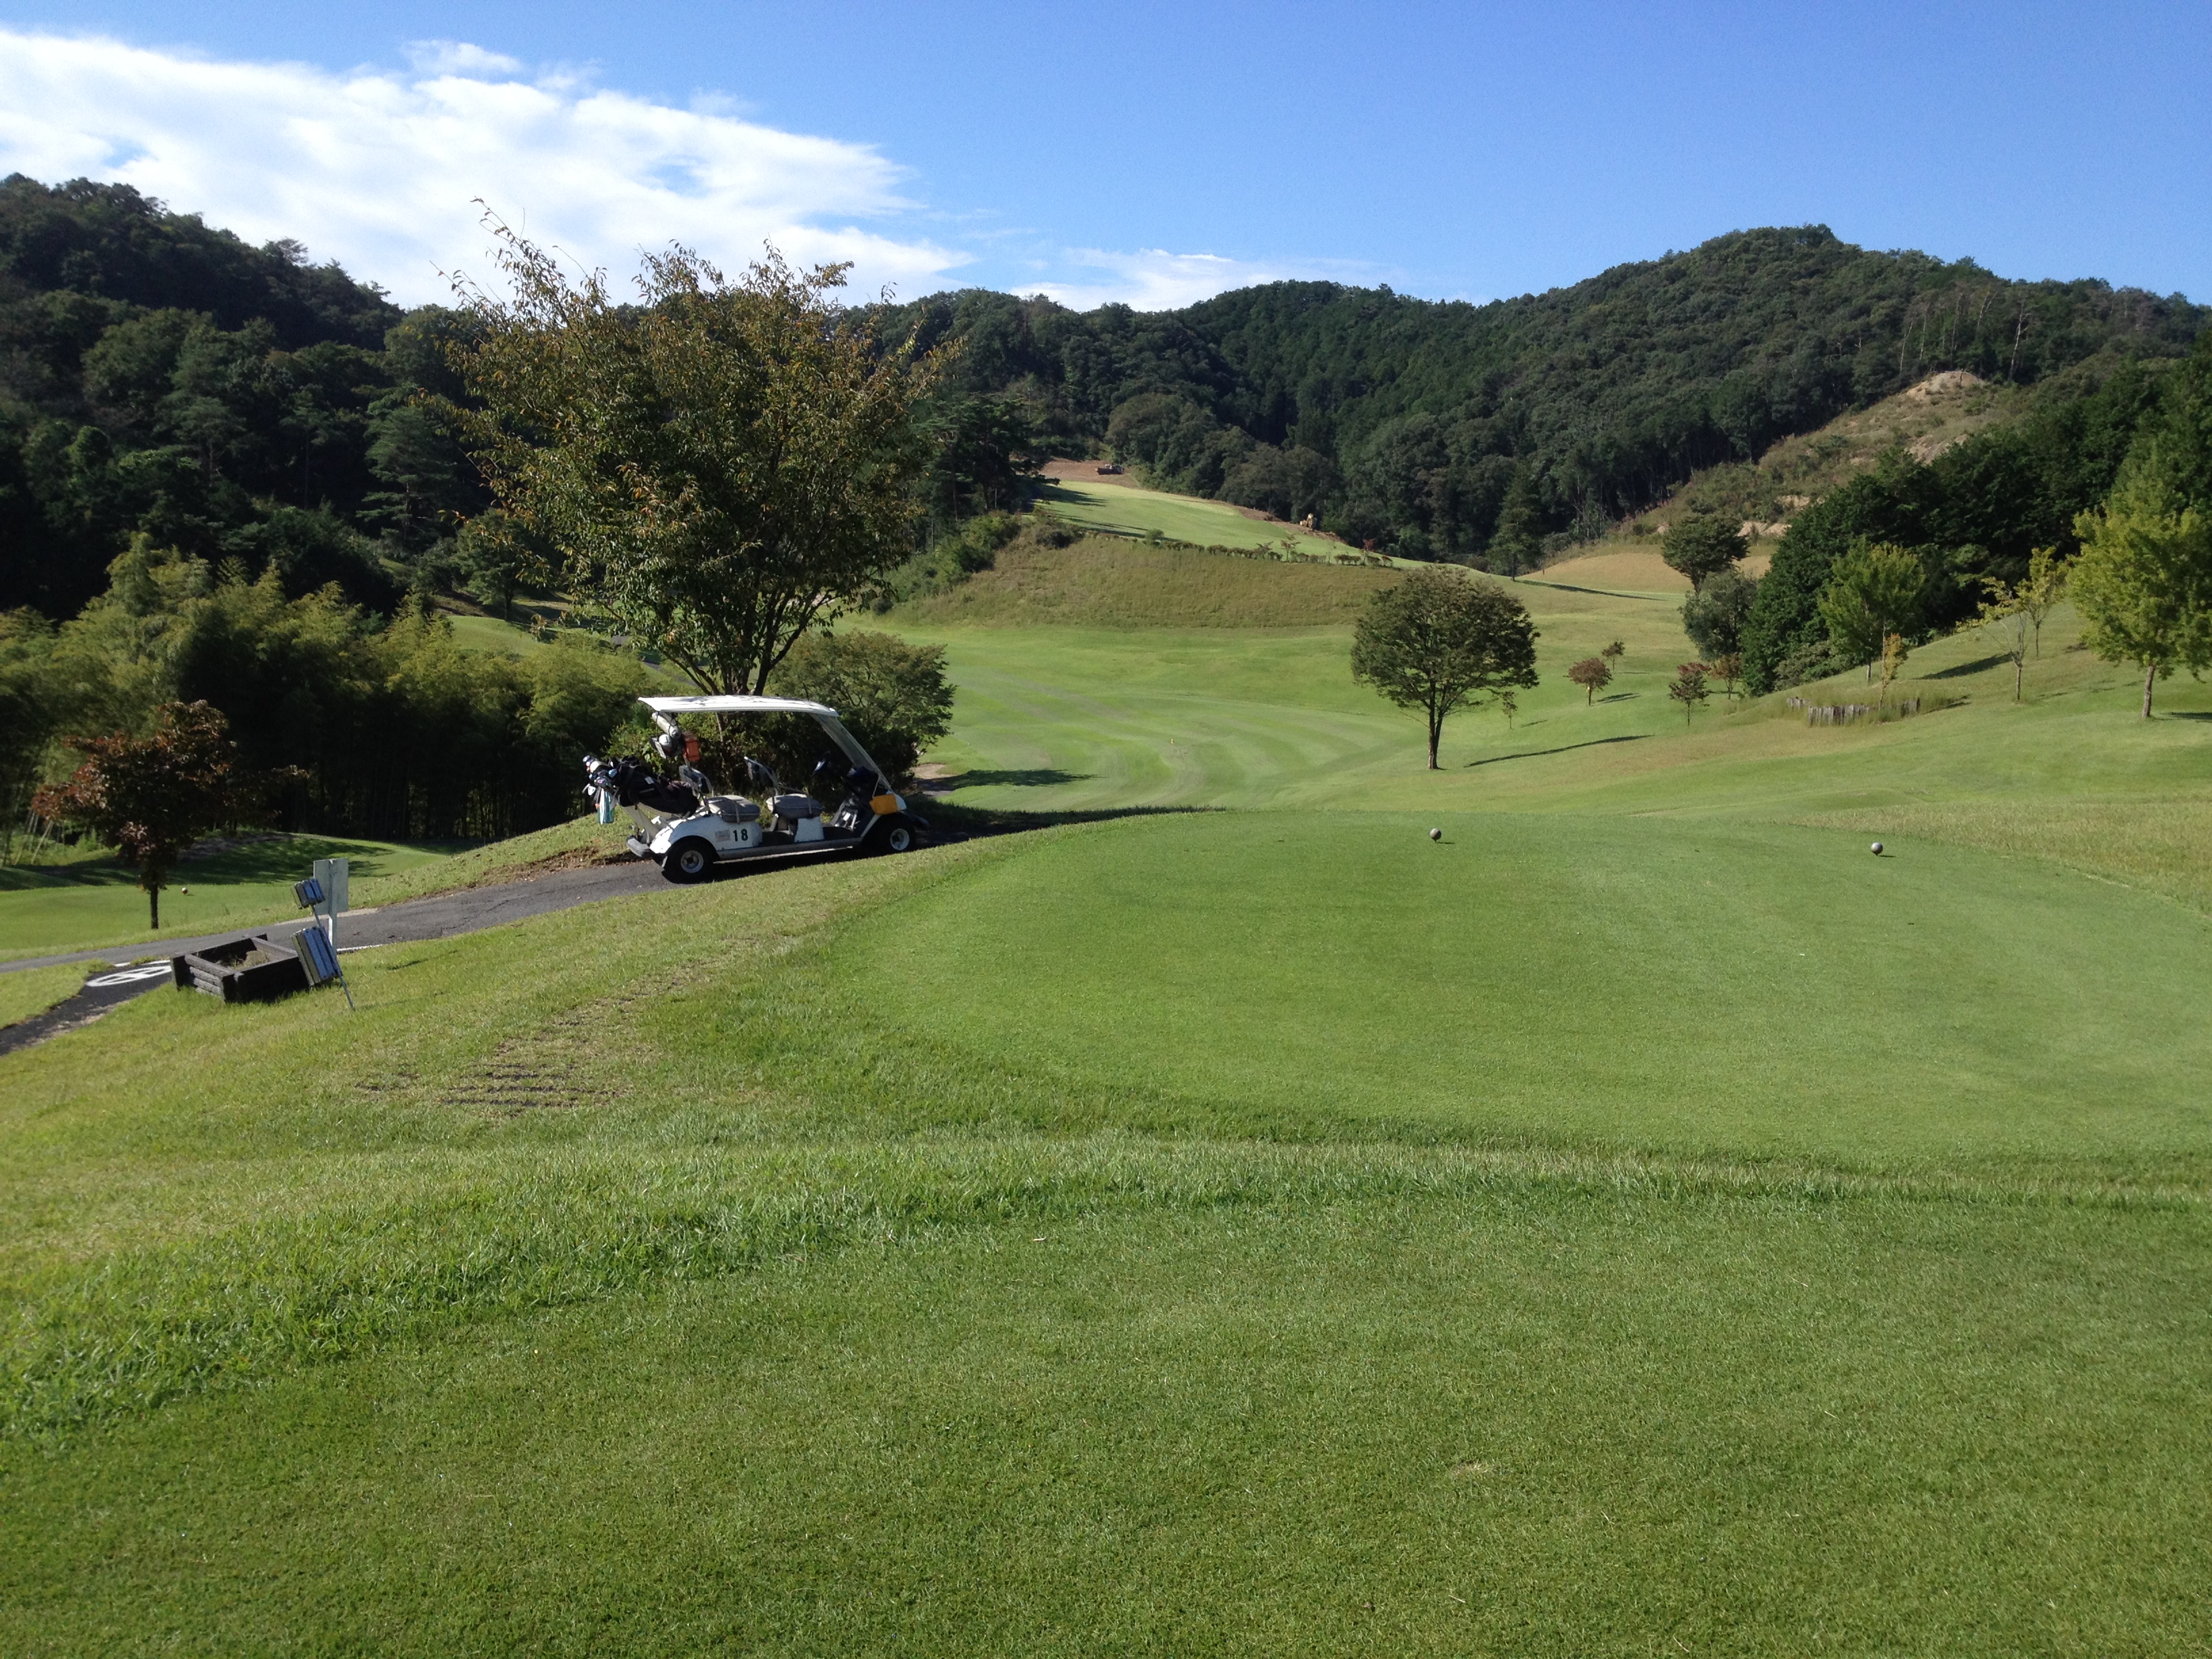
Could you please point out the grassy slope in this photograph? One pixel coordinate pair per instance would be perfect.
(1103, 583)
(1261, 1230)
(1123, 509)
(963, 1342)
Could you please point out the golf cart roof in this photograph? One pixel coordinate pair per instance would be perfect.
(736, 705)
(824, 716)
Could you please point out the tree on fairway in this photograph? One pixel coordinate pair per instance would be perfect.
(1728, 669)
(1701, 545)
(1592, 674)
(1441, 639)
(1689, 688)
(1714, 614)
(1613, 653)
(152, 798)
(1873, 592)
(719, 465)
(2143, 582)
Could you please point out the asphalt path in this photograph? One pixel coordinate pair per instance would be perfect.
(468, 911)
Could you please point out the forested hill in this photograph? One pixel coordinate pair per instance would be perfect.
(161, 378)
(164, 378)
(1408, 421)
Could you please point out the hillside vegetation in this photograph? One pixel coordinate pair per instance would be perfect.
(1409, 423)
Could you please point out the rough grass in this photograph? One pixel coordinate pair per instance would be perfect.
(579, 841)
(1101, 582)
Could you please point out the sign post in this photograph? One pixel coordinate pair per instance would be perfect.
(330, 877)
(318, 949)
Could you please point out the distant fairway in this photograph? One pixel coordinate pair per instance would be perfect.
(1122, 508)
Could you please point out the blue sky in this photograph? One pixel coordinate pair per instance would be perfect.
(1149, 154)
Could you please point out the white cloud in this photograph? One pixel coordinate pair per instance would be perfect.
(458, 58)
(379, 170)
(1152, 279)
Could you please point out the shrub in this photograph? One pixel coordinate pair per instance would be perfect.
(891, 695)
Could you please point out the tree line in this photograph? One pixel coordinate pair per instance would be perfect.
(233, 481)
(1485, 433)
(1914, 548)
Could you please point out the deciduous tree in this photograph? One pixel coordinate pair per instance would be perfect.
(152, 797)
(1592, 675)
(1689, 688)
(1874, 592)
(720, 466)
(1441, 639)
(2143, 582)
(1714, 614)
(1702, 544)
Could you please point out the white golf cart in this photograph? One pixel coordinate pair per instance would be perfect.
(687, 826)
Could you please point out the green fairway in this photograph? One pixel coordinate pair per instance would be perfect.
(1698, 987)
(1124, 509)
(1533, 1420)
(1018, 1317)
(1641, 1221)
(88, 903)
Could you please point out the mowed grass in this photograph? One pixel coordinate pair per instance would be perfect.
(89, 902)
(1124, 509)
(812, 1310)
(1705, 989)
(1641, 1222)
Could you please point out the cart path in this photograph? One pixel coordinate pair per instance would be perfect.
(467, 911)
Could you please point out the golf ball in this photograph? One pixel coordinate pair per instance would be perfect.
(1877, 849)
(1436, 835)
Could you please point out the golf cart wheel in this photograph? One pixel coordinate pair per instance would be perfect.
(688, 862)
(897, 837)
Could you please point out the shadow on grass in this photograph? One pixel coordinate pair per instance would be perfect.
(2190, 715)
(1532, 754)
(1979, 666)
(1569, 587)
(1034, 777)
(949, 822)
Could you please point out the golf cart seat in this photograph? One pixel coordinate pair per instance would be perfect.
(734, 809)
(791, 808)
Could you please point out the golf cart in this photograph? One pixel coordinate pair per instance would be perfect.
(687, 826)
